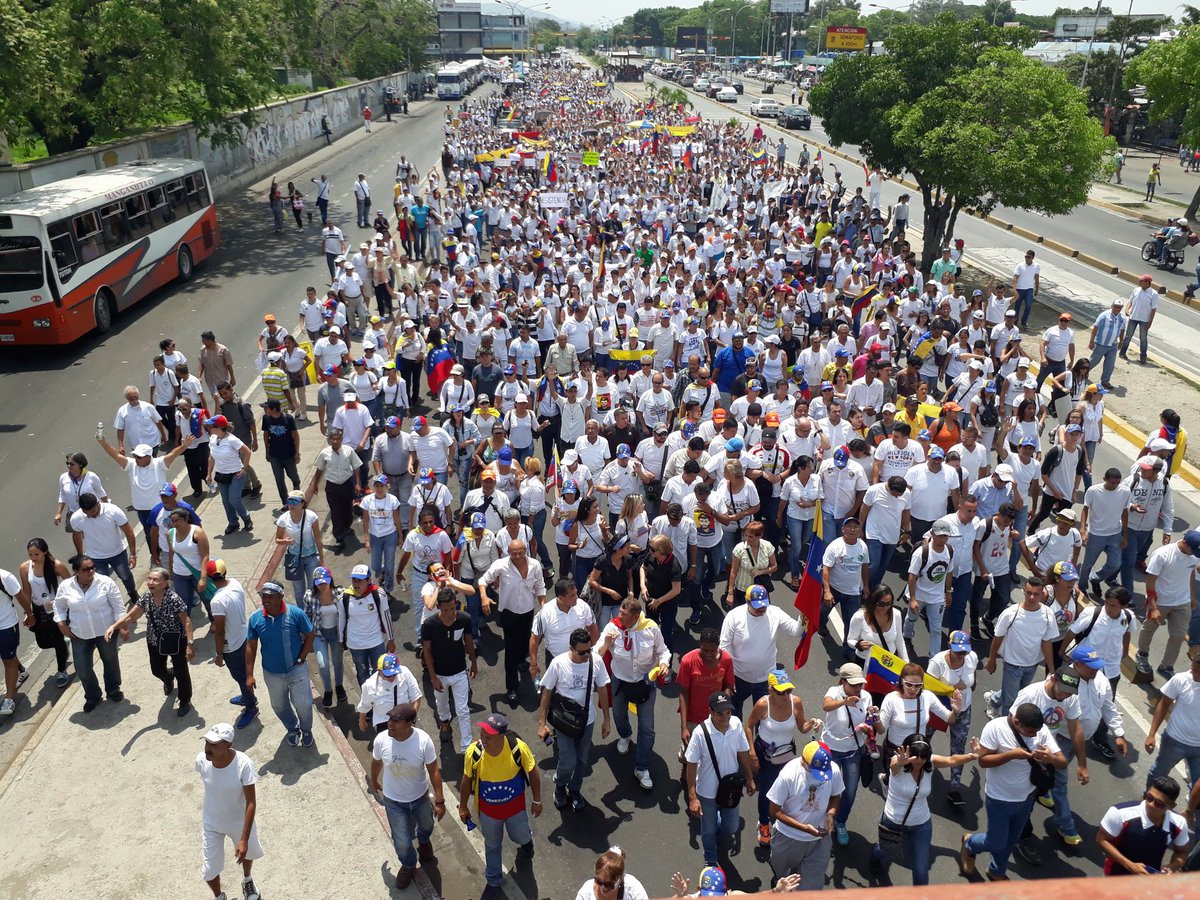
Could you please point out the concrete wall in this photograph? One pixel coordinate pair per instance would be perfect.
(283, 132)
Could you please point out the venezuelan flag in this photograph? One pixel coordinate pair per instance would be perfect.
(629, 355)
(758, 155)
(863, 300)
(808, 597)
(883, 677)
(818, 157)
(438, 364)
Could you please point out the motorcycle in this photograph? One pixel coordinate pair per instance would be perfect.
(769, 89)
(1174, 257)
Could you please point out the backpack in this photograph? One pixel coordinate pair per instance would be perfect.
(346, 613)
(475, 754)
(1126, 618)
(989, 416)
(925, 542)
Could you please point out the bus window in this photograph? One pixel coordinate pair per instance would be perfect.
(87, 233)
(20, 264)
(138, 216)
(62, 249)
(197, 191)
(113, 226)
(177, 194)
(159, 206)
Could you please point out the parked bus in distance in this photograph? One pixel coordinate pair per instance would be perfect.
(457, 79)
(74, 253)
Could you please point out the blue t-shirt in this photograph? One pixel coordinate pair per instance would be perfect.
(419, 214)
(279, 637)
(728, 365)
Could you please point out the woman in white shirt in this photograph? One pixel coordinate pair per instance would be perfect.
(75, 481)
(295, 363)
(906, 710)
(633, 522)
(797, 506)
(906, 803)
(299, 530)
(228, 461)
(40, 576)
(1092, 410)
(532, 506)
(880, 623)
(611, 882)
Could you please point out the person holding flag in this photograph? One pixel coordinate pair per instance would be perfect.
(913, 709)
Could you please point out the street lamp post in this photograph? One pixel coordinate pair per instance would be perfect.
(733, 34)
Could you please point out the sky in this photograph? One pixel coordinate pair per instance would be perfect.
(585, 13)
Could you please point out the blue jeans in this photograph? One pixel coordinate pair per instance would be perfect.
(539, 530)
(916, 841)
(462, 468)
(1143, 329)
(645, 723)
(475, 609)
(409, 821)
(1109, 354)
(82, 650)
(235, 665)
(366, 660)
(493, 830)
(799, 534)
(291, 698)
(1170, 752)
(850, 762)
(848, 605)
(330, 655)
(1013, 680)
(119, 566)
(959, 730)
(383, 559)
(308, 565)
(881, 557)
(708, 566)
(1110, 546)
(729, 540)
(754, 690)
(520, 454)
(960, 599)
(1006, 820)
(231, 499)
(1062, 818)
(933, 615)
(573, 756)
(716, 823)
(185, 587)
(1137, 545)
(583, 568)
(1024, 306)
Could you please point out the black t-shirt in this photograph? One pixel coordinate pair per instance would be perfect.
(447, 643)
(614, 578)
(280, 435)
(660, 576)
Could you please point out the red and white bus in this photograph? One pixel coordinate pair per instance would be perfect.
(76, 252)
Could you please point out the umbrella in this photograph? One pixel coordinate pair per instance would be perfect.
(644, 124)
(591, 131)
(693, 120)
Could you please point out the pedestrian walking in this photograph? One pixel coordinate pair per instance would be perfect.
(446, 647)
(520, 590)
(85, 605)
(804, 802)
(716, 754)
(229, 630)
(40, 576)
(286, 635)
(230, 810)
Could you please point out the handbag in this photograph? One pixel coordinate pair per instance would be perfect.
(292, 570)
(729, 787)
(169, 643)
(1041, 775)
(866, 763)
(568, 716)
(891, 837)
(45, 629)
(654, 490)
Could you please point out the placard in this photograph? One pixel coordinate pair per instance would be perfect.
(553, 200)
(845, 37)
(591, 158)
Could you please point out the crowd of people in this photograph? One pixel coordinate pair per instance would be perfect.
(682, 367)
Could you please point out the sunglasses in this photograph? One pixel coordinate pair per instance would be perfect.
(87, 568)
(913, 684)
(1156, 803)
(609, 885)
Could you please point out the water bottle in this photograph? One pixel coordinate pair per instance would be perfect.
(537, 684)
(470, 823)
(99, 430)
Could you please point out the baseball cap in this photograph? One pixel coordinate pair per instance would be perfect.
(294, 497)
(419, 422)
(941, 527)
(496, 723)
(489, 474)
(819, 760)
(623, 451)
(1067, 515)
(735, 444)
(214, 422)
(937, 453)
(389, 665)
(361, 572)
(1066, 680)
(1086, 654)
(720, 701)
(1192, 539)
(851, 673)
(222, 731)
(570, 458)
(889, 407)
(322, 575)
(1004, 472)
(778, 680)
(1155, 445)
(960, 642)
(757, 597)
(478, 521)
(380, 479)
(1028, 441)
(661, 428)
(391, 422)
(712, 882)
(1074, 428)
(215, 567)
(841, 457)
(168, 489)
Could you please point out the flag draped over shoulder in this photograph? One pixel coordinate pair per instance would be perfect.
(883, 677)
(808, 597)
(438, 363)
(863, 300)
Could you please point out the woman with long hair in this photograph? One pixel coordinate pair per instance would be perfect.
(877, 623)
(611, 881)
(562, 519)
(753, 562)
(661, 581)
(633, 523)
(295, 363)
(40, 576)
(228, 465)
(906, 711)
(589, 536)
(187, 558)
(798, 508)
(532, 505)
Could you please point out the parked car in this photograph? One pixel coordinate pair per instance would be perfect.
(700, 84)
(727, 94)
(795, 117)
(766, 107)
(739, 87)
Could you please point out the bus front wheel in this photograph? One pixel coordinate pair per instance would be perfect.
(185, 263)
(103, 307)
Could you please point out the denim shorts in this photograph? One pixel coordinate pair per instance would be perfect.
(9, 639)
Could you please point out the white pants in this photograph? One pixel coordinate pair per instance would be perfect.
(460, 687)
(212, 849)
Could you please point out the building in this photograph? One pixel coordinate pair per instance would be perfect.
(1086, 27)
(474, 30)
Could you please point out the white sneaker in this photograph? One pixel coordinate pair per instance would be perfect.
(249, 891)
(8, 707)
(623, 745)
(643, 777)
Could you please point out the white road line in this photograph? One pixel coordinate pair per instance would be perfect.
(1123, 244)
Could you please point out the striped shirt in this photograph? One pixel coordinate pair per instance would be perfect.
(1108, 327)
(275, 384)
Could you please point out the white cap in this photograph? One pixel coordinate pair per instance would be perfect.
(570, 458)
(1023, 362)
(222, 731)
(147, 450)
(1004, 472)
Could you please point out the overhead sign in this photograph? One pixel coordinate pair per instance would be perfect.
(789, 6)
(691, 38)
(553, 200)
(845, 37)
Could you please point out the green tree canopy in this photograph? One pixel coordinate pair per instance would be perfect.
(973, 122)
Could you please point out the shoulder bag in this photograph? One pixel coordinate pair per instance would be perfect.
(1041, 775)
(866, 763)
(729, 787)
(569, 717)
(891, 837)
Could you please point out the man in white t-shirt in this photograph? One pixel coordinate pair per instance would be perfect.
(229, 779)
(1140, 310)
(1059, 542)
(554, 623)
(1018, 739)
(886, 518)
(1026, 282)
(930, 582)
(718, 747)
(407, 759)
(933, 483)
(1104, 521)
(897, 454)
(1170, 600)
(803, 803)
(845, 575)
(227, 612)
(1057, 348)
(748, 635)
(1179, 707)
(1022, 638)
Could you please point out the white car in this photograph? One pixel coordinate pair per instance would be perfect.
(727, 94)
(766, 107)
(700, 84)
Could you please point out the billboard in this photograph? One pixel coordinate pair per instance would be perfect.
(845, 37)
(691, 38)
(798, 7)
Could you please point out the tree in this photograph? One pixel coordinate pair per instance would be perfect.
(997, 12)
(958, 107)
(1170, 71)
(1103, 72)
(369, 38)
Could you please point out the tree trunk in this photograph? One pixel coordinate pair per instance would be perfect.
(58, 140)
(1190, 215)
(936, 213)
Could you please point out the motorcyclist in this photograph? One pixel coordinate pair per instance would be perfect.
(1173, 236)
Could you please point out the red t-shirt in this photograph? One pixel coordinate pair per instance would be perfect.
(702, 682)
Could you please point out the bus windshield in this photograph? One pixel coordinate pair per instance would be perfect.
(21, 264)
(448, 79)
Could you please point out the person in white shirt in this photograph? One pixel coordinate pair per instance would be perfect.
(748, 634)
(1007, 747)
(1140, 310)
(1024, 632)
(956, 667)
(897, 454)
(1170, 600)
(1105, 520)
(230, 809)
(138, 423)
(886, 519)
(1057, 348)
(804, 806)
(389, 684)
(1134, 836)
(97, 530)
(381, 530)
(930, 583)
(718, 748)
(76, 481)
(933, 483)
(520, 590)
(1179, 707)
(85, 607)
(407, 759)
(1097, 705)
(1026, 282)
(554, 623)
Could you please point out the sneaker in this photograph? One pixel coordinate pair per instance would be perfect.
(1167, 672)
(623, 745)
(8, 706)
(525, 851)
(306, 739)
(89, 705)
(246, 717)
(694, 618)
(955, 797)
(327, 699)
(843, 836)
(116, 696)
(764, 835)
(1046, 801)
(22, 677)
(249, 891)
(644, 779)
(966, 859)
(1071, 840)
(578, 804)
(237, 700)
(561, 798)
(404, 877)
(1142, 663)
(293, 738)
(230, 529)
(1097, 589)
(1027, 850)
(340, 693)
(62, 679)
(1104, 748)
(511, 696)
